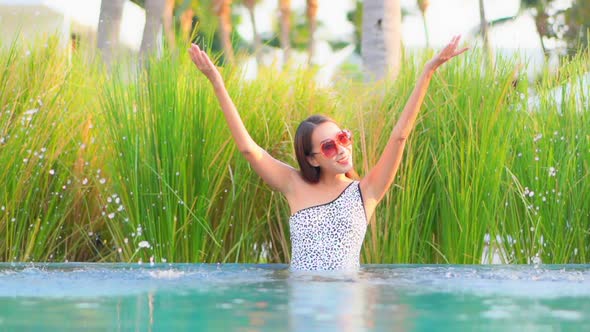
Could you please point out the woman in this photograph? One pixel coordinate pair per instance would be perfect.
(329, 208)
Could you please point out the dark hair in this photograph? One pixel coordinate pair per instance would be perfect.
(303, 148)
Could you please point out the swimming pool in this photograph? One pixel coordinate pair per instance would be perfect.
(238, 297)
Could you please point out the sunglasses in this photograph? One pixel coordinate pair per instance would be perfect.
(329, 148)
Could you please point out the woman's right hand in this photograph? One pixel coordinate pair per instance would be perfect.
(205, 65)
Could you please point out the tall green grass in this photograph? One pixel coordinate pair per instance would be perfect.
(474, 162)
(47, 193)
(137, 164)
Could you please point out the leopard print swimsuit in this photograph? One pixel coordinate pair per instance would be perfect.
(329, 236)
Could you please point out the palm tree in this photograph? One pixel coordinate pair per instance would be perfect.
(154, 10)
(423, 5)
(541, 18)
(109, 25)
(250, 4)
(485, 33)
(168, 23)
(186, 23)
(184, 12)
(312, 12)
(539, 12)
(381, 39)
(222, 9)
(285, 16)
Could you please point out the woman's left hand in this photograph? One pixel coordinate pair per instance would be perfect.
(447, 53)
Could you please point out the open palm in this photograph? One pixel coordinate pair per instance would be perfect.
(450, 51)
(203, 62)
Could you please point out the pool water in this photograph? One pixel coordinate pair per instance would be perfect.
(238, 297)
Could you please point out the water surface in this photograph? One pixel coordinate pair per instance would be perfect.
(238, 297)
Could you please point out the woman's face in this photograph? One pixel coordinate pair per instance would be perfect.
(334, 156)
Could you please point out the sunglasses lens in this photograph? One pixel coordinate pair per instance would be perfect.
(344, 138)
(329, 149)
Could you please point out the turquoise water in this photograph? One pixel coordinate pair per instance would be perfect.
(237, 297)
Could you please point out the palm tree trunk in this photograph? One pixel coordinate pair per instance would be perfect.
(426, 30)
(154, 10)
(541, 24)
(285, 9)
(423, 5)
(109, 25)
(250, 4)
(222, 9)
(186, 24)
(184, 13)
(312, 12)
(485, 33)
(168, 22)
(381, 39)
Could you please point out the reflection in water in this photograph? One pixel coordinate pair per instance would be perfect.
(340, 301)
(151, 305)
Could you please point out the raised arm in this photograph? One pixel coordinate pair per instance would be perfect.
(275, 173)
(380, 178)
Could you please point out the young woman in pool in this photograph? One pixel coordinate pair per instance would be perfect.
(330, 208)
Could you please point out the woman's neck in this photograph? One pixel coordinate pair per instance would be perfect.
(333, 179)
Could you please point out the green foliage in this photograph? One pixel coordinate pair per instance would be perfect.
(356, 18)
(139, 164)
(577, 18)
(48, 189)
